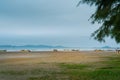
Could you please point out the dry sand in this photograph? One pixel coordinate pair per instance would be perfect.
(53, 57)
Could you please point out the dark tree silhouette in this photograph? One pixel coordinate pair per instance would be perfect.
(108, 14)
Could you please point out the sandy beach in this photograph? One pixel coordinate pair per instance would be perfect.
(50, 65)
(53, 57)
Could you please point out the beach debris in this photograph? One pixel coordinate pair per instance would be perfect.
(55, 50)
(117, 50)
(66, 50)
(75, 50)
(25, 51)
(3, 50)
(98, 50)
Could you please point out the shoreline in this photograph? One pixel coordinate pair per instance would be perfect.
(59, 50)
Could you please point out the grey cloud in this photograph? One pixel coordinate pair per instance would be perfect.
(50, 21)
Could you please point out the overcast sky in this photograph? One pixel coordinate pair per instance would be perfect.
(50, 22)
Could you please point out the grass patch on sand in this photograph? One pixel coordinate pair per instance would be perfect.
(10, 72)
(72, 66)
(110, 71)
